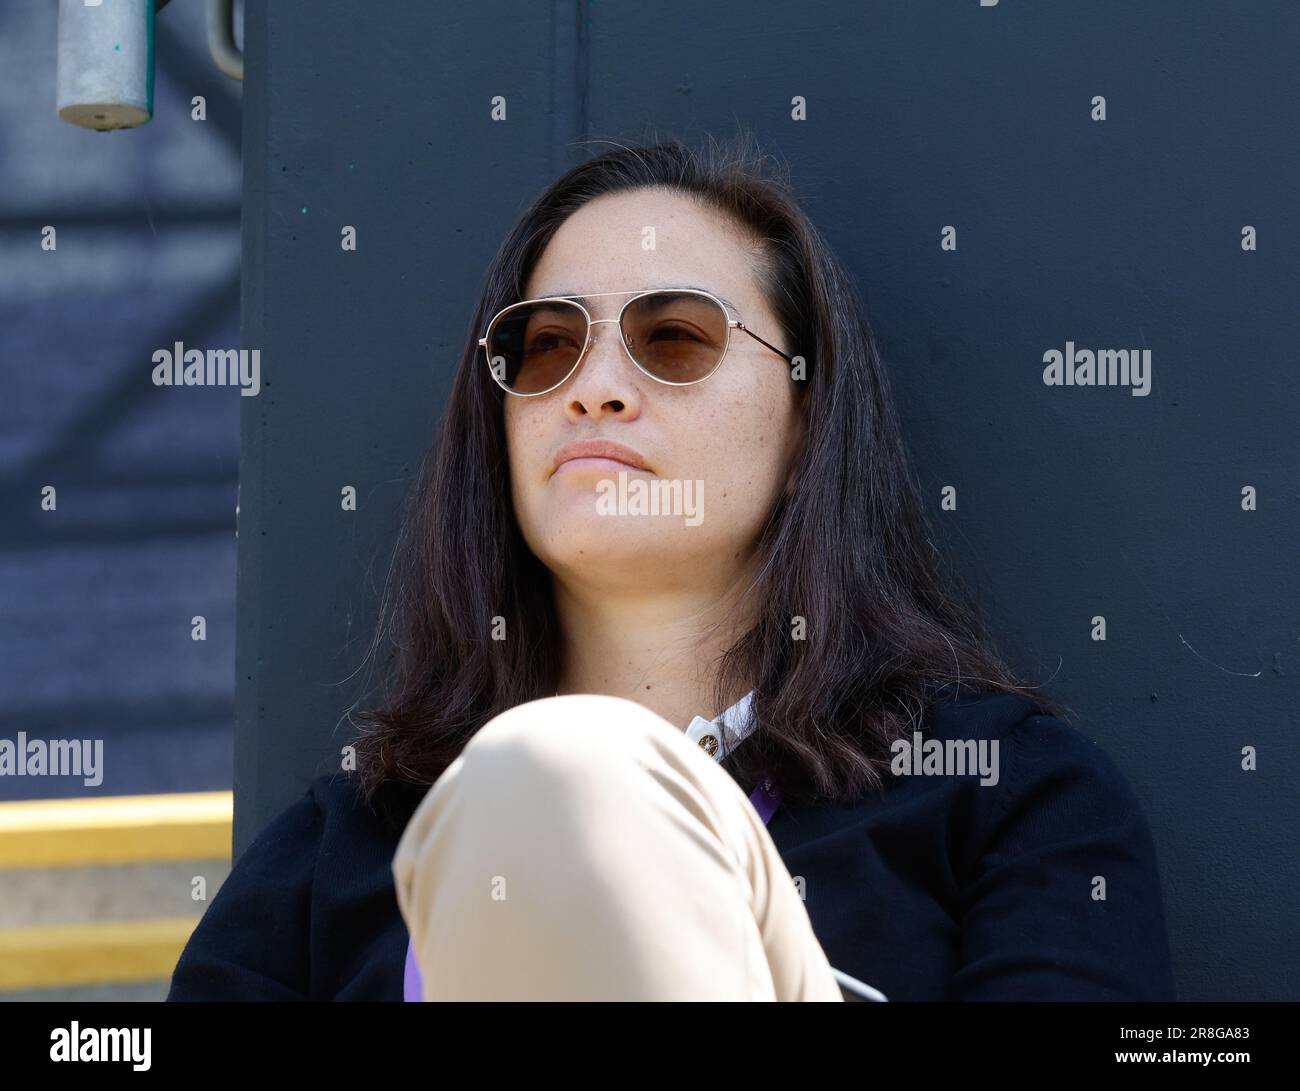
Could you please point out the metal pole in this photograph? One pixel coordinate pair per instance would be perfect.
(105, 63)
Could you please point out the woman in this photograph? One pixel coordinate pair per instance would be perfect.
(670, 477)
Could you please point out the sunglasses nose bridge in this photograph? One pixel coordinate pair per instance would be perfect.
(591, 337)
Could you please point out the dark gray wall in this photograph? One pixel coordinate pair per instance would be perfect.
(1072, 502)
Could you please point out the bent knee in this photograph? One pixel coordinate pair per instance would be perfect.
(564, 735)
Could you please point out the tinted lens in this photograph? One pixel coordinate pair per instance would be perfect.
(533, 347)
(679, 337)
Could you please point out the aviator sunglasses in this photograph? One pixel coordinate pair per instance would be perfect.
(677, 336)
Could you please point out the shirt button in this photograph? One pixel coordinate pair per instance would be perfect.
(710, 744)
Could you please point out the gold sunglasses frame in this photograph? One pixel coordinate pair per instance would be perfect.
(732, 324)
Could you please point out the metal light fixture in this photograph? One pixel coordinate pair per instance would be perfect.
(105, 59)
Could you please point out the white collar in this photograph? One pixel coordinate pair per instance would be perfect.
(721, 735)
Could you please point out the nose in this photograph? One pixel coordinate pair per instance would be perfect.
(606, 382)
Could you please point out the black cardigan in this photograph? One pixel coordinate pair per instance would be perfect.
(938, 888)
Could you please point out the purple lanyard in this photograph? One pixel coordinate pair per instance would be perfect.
(765, 800)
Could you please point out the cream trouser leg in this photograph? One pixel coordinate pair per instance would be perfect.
(582, 848)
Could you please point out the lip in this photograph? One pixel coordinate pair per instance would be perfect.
(599, 450)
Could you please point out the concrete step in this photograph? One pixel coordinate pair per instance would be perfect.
(98, 897)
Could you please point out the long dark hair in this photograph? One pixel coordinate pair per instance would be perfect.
(883, 634)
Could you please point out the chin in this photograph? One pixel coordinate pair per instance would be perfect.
(616, 548)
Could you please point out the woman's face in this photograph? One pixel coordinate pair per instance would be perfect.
(718, 453)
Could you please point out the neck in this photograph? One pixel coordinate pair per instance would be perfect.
(660, 650)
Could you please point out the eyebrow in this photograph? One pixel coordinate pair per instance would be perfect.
(585, 300)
